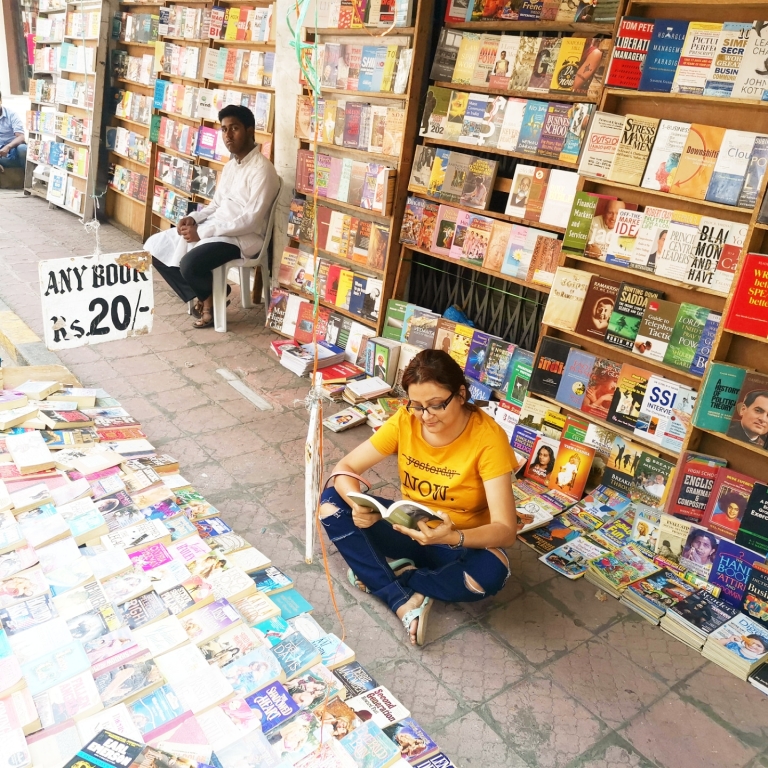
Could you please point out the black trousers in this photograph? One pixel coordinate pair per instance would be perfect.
(193, 278)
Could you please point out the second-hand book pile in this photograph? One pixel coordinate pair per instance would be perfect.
(138, 629)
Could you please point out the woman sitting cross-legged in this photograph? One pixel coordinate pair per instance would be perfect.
(454, 459)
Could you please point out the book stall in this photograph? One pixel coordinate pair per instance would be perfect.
(139, 629)
(604, 165)
(176, 65)
(66, 92)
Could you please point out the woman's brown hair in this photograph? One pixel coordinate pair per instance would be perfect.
(433, 366)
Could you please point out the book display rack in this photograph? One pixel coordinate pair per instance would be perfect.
(710, 284)
(490, 78)
(358, 141)
(182, 63)
(66, 92)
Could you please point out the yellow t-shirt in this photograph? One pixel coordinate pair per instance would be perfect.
(450, 478)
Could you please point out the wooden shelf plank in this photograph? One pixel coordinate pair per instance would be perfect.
(502, 25)
(483, 270)
(491, 214)
(360, 31)
(131, 122)
(640, 275)
(744, 212)
(749, 336)
(628, 434)
(622, 93)
(341, 259)
(366, 94)
(505, 152)
(238, 86)
(567, 97)
(746, 446)
(130, 159)
(361, 154)
(640, 362)
(127, 197)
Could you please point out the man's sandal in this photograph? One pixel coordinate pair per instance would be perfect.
(395, 565)
(205, 320)
(419, 614)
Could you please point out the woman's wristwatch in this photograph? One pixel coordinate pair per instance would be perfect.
(460, 543)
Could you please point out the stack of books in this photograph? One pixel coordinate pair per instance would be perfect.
(692, 620)
(301, 359)
(364, 389)
(739, 645)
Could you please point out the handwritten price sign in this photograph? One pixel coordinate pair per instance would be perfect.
(93, 299)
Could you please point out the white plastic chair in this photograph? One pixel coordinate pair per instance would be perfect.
(245, 266)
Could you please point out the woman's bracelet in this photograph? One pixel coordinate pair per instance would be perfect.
(460, 543)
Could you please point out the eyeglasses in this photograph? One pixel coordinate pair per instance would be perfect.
(418, 410)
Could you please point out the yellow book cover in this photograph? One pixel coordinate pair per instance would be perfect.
(393, 131)
(231, 19)
(635, 143)
(567, 65)
(697, 161)
(344, 291)
(439, 167)
(329, 121)
(466, 59)
(389, 68)
(460, 344)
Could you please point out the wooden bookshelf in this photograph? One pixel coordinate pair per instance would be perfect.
(503, 182)
(739, 114)
(91, 80)
(415, 37)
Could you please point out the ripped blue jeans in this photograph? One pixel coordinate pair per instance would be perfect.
(440, 571)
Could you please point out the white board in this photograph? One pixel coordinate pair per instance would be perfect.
(94, 299)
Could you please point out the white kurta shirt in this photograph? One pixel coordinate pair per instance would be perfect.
(238, 213)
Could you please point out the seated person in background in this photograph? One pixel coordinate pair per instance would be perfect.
(233, 225)
(454, 459)
(13, 145)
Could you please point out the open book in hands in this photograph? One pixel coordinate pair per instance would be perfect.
(404, 512)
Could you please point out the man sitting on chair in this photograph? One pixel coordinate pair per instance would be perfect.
(232, 225)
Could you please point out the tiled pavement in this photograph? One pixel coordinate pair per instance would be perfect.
(543, 674)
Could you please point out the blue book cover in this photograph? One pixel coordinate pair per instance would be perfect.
(530, 10)
(332, 650)
(357, 296)
(274, 704)
(212, 526)
(295, 654)
(497, 362)
(523, 439)
(156, 709)
(731, 569)
(179, 527)
(407, 315)
(85, 522)
(291, 604)
(704, 347)
(478, 392)
(370, 746)
(253, 671)
(367, 68)
(378, 71)
(55, 667)
(161, 86)
(753, 179)
(732, 44)
(275, 630)
(573, 384)
(478, 350)
(271, 580)
(409, 732)
(533, 122)
(663, 54)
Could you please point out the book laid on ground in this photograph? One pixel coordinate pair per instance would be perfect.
(403, 512)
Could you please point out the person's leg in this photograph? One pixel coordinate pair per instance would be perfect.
(21, 155)
(459, 576)
(361, 549)
(197, 264)
(173, 276)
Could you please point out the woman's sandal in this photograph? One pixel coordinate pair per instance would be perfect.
(418, 614)
(395, 565)
(205, 320)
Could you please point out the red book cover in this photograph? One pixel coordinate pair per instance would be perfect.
(692, 490)
(322, 222)
(305, 323)
(629, 53)
(748, 311)
(341, 373)
(305, 171)
(728, 502)
(332, 284)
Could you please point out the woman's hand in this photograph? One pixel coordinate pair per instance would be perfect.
(364, 517)
(441, 534)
